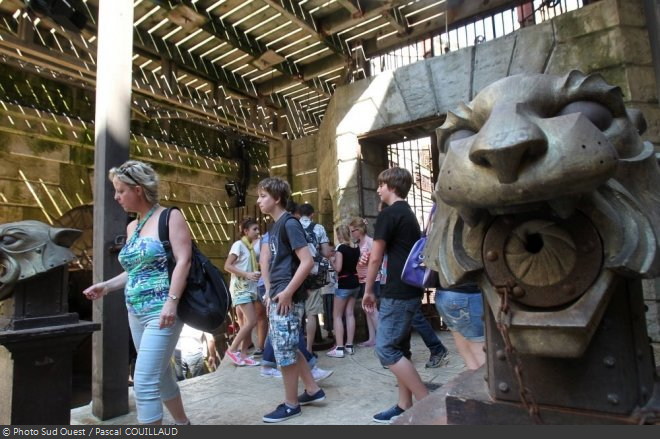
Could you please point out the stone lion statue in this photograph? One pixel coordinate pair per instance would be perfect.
(29, 248)
(546, 189)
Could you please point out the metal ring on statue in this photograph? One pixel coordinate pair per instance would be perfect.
(547, 261)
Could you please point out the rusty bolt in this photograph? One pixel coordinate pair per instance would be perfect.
(568, 289)
(504, 387)
(518, 291)
(609, 361)
(500, 354)
(613, 398)
(492, 255)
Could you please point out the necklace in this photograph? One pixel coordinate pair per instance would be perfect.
(146, 217)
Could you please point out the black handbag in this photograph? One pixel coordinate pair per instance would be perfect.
(206, 300)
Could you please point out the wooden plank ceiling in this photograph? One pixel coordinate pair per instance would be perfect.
(263, 68)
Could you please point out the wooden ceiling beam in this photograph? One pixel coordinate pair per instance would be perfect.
(296, 14)
(342, 21)
(352, 6)
(77, 70)
(397, 20)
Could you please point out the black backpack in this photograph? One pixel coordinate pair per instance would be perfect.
(206, 300)
(320, 274)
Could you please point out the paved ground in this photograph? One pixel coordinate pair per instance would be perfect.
(358, 388)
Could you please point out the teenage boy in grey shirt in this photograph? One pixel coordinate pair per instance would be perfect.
(290, 263)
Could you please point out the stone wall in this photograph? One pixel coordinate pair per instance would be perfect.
(608, 37)
(47, 171)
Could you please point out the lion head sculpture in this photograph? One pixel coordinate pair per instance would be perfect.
(29, 248)
(546, 188)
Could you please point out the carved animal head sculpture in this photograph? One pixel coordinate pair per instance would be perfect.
(547, 189)
(29, 248)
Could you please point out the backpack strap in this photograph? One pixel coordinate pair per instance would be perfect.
(164, 224)
(282, 231)
(310, 227)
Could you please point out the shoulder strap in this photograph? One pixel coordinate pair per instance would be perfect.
(282, 231)
(428, 224)
(164, 224)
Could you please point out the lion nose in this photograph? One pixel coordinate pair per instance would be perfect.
(507, 143)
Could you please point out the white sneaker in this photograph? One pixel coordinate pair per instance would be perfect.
(270, 372)
(336, 353)
(321, 374)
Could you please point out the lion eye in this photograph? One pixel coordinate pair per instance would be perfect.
(7, 240)
(598, 114)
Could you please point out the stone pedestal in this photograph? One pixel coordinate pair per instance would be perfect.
(36, 364)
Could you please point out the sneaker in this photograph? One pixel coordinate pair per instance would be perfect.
(388, 415)
(320, 374)
(270, 372)
(305, 398)
(235, 357)
(336, 353)
(258, 353)
(282, 413)
(437, 360)
(249, 361)
(349, 349)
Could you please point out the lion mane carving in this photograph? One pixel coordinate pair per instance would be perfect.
(546, 186)
(29, 248)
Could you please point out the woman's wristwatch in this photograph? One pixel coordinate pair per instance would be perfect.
(173, 297)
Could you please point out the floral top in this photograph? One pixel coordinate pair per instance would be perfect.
(145, 262)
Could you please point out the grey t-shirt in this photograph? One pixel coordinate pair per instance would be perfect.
(286, 236)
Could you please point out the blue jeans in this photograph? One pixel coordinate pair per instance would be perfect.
(395, 318)
(425, 330)
(153, 380)
(268, 358)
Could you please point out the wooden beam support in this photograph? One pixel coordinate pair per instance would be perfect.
(112, 124)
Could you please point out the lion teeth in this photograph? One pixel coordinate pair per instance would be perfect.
(564, 206)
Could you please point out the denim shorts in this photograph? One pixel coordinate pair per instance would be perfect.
(462, 312)
(261, 293)
(375, 289)
(284, 332)
(395, 318)
(243, 297)
(346, 293)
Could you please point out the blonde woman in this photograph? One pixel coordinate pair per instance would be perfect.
(358, 231)
(151, 297)
(348, 287)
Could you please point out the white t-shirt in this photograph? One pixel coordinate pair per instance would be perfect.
(190, 341)
(243, 263)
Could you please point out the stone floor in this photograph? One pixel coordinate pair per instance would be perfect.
(359, 388)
